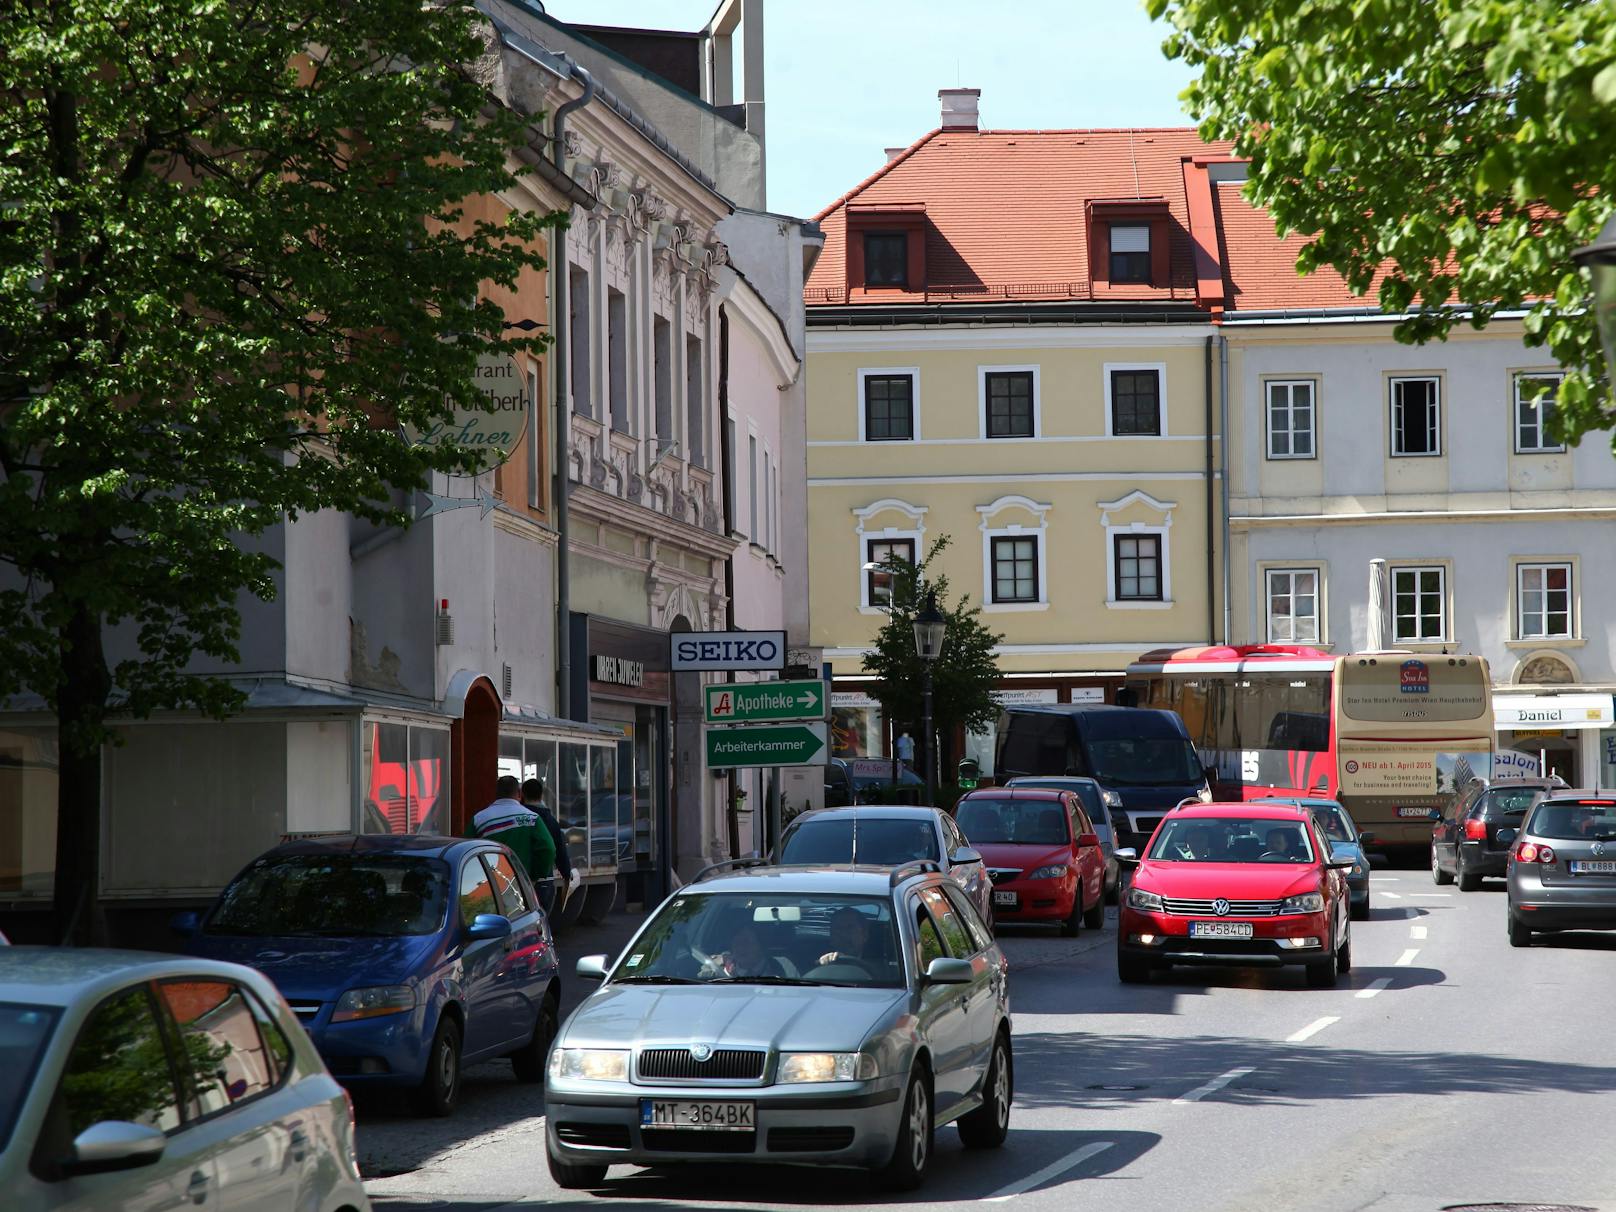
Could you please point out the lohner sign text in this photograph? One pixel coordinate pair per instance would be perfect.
(493, 434)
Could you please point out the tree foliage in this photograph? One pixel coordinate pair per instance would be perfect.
(1464, 146)
(965, 673)
(232, 260)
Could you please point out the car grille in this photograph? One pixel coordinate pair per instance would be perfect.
(593, 1136)
(808, 1140)
(1000, 874)
(697, 1140)
(1193, 908)
(725, 1064)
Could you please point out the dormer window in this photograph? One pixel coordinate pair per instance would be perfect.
(1130, 252)
(886, 258)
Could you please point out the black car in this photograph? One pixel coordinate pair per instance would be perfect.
(1473, 837)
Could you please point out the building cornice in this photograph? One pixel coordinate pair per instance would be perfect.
(974, 336)
(591, 503)
(1586, 513)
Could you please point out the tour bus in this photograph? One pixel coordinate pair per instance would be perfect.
(1389, 734)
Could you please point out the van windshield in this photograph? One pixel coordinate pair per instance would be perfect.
(1145, 761)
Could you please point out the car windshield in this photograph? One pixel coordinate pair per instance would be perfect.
(342, 896)
(1145, 761)
(24, 1032)
(1013, 822)
(1574, 822)
(1511, 801)
(1204, 839)
(776, 938)
(882, 841)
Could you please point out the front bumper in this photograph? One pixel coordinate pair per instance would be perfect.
(1173, 944)
(1037, 900)
(387, 1051)
(830, 1123)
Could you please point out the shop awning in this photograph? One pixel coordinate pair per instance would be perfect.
(1512, 711)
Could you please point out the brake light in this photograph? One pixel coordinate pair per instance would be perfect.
(1531, 852)
(1476, 831)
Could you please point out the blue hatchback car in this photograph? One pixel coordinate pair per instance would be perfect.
(405, 958)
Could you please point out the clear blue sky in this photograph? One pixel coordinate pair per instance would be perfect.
(847, 78)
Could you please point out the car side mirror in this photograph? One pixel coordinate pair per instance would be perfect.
(1365, 838)
(114, 1144)
(963, 855)
(1087, 839)
(489, 925)
(186, 925)
(1336, 864)
(948, 972)
(591, 967)
(1128, 856)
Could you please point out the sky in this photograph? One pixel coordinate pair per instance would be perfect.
(845, 79)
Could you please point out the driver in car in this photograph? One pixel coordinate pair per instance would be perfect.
(1281, 845)
(848, 937)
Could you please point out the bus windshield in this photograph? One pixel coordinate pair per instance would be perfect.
(1145, 761)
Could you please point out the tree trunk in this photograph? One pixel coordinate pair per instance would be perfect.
(81, 707)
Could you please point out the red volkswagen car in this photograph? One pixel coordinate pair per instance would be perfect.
(1243, 885)
(1042, 852)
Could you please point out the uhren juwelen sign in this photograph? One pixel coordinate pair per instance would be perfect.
(494, 435)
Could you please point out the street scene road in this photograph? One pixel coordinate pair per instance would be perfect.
(1449, 1070)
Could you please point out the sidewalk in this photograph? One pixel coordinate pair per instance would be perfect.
(609, 938)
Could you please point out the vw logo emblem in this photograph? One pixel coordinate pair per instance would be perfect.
(1599, 848)
(700, 1052)
(1220, 906)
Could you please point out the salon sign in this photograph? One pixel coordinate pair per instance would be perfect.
(495, 433)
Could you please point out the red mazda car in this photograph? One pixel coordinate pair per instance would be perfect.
(1242, 885)
(1042, 852)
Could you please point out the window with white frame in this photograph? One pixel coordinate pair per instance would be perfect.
(752, 531)
(1010, 398)
(1534, 411)
(1138, 560)
(1416, 417)
(881, 553)
(1291, 419)
(1015, 568)
(1293, 605)
(1419, 604)
(887, 406)
(1543, 601)
(1135, 397)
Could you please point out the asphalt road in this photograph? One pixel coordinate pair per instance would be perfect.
(1449, 1070)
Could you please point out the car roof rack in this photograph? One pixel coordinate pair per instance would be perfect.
(914, 868)
(737, 863)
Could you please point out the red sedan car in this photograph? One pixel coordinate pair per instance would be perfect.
(1042, 853)
(1242, 885)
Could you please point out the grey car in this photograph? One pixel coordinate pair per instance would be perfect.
(1562, 868)
(788, 1014)
(1096, 802)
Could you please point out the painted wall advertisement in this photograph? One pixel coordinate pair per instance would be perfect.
(1379, 768)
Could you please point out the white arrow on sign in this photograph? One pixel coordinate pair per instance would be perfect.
(808, 699)
(442, 504)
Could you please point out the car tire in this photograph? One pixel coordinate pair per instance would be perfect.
(1520, 934)
(531, 1059)
(989, 1124)
(1072, 924)
(1360, 913)
(439, 1092)
(1468, 881)
(1324, 973)
(1439, 877)
(1343, 954)
(1132, 969)
(911, 1153)
(1094, 915)
(570, 1177)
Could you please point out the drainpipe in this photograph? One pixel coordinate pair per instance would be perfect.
(732, 814)
(561, 289)
(1223, 445)
(1211, 509)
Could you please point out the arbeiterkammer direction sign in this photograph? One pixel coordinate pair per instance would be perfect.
(773, 745)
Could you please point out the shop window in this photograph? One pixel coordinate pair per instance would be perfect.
(571, 803)
(407, 778)
(604, 850)
(28, 777)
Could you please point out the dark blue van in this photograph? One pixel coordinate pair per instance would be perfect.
(1141, 756)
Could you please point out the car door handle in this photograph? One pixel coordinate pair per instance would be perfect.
(300, 1146)
(197, 1190)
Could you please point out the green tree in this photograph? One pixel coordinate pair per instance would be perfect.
(233, 260)
(1463, 146)
(965, 673)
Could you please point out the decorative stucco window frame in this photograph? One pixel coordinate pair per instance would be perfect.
(1114, 530)
(990, 532)
(865, 531)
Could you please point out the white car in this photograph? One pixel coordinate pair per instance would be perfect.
(134, 1081)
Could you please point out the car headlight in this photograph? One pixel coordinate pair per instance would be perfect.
(1052, 872)
(590, 1064)
(1138, 898)
(825, 1067)
(1308, 902)
(1204, 794)
(374, 1002)
(1111, 799)
(1359, 869)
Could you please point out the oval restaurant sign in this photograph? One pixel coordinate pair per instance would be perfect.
(493, 434)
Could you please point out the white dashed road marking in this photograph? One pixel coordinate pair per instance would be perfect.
(1374, 986)
(1391, 896)
(1075, 1158)
(1312, 1029)
(1407, 958)
(1211, 1087)
(1417, 932)
(1441, 894)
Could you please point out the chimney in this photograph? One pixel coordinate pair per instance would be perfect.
(894, 152)
(959, 107)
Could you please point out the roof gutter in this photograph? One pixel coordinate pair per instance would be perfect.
(1347, 315)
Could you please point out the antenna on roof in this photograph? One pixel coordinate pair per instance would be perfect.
(854, 862)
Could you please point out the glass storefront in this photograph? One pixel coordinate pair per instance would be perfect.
(406, 771)
(856, 726)
(28, 776)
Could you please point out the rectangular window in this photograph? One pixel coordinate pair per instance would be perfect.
(878, 580)
(617, 360)
(578, 339)
(535, 452)
(1010, 413)
(752, 470)
(1534, 409)
(1130, 252)
(662, 362)
(1293, 605)
(1416, 417)
(1290, 420)
(889, 408)
(886, 258)
(730, 515)
(695, 404)
(1015, 569)
(1419, 604)
(1543, 601)
(1136, 403)
(1138, 564)
(768, 501)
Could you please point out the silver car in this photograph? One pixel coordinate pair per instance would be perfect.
(788, 1014)
(1562, 868)
(137, 1082)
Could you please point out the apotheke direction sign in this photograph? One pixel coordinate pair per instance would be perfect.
(764, 702)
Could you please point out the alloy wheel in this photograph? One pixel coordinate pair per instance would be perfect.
(919, 1125)
(1001, 1085)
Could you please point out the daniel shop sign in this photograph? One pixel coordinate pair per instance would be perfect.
(1555, 711)
(707, 651)
(493, 434)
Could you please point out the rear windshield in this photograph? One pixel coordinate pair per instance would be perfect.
(343, 896)
(1574, 822)
(1089, 793)
(1013, 822)
(884, 841)
(1512, 801)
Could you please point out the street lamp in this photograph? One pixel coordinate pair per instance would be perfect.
(929, 627)
(1599, 259)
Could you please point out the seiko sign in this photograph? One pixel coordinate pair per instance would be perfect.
(619, 672)
(727, 650)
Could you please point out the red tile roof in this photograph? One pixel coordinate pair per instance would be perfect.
(1259, 268)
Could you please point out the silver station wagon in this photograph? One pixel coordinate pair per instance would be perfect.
(834, 1016)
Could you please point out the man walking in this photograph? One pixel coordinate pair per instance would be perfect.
(533, 797)
(510, 821)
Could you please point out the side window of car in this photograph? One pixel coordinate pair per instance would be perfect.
(955, 937)
(953, 835)
(119, 1069)
(278, 1047)
(223, 1059)
(980, 935)
(476, 891)
(1080, 819)
(507, 886)
(928, 942)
